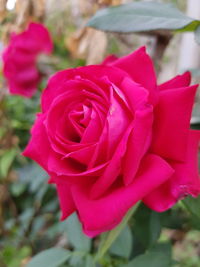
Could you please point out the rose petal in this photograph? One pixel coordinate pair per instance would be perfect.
(172, 121)
(58, 83)
(109, 60)
(185, 181)
(82, 155)
(65, 199)
(27, 75)
(177, 82)
(118, 118)
(113, 169)
(138, 143)
(93, 130)
(110, 209)
(70, 168)
(38, 147)
(36, 38)
(100, 155)
(19, 89)
(136, 95)
(55, 87)
(57, 113)
(17, 58)
(42, 36)
(140, 68)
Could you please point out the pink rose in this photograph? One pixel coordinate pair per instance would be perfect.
(20, 59)
(109, 136)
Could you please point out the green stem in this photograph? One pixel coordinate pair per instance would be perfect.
(111, 236)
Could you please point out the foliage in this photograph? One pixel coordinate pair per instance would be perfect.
(31, 233)
(142, 17)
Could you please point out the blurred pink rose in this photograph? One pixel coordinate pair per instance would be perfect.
(109, 136)
(20, 59)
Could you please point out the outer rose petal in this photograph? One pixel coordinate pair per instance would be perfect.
(35, 39)
(172, 121)
(14, 60)
(38, 147)
(22, 90)
(103, 214)
(185, 181)
(41, 36)
(140, 68)
(177, 82)
(57, 82)
(109, 59)
(65, 198)
(26, 75)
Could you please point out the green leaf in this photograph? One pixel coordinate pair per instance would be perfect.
(193, 205)
(152, 259)
(89, 262)
(197, 35)
(164, 247)
(158, 256)
(75, 234)
(6, 161)
(25, 218)
(13, 256)
(155, 227)
(52, 257)
(34, 175)
(17, 189)
(142, 17)
(123, 244)
(111, 236)
(147, 226)
(77, 259)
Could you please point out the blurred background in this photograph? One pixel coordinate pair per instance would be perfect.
(29, 212)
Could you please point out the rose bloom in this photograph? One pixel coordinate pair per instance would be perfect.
(109, 136)
(20, 59)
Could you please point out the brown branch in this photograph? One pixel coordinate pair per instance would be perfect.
(161, 43)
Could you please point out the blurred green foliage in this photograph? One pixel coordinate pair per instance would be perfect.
(29, 209)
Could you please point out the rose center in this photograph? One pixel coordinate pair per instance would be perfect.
(78, 120)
